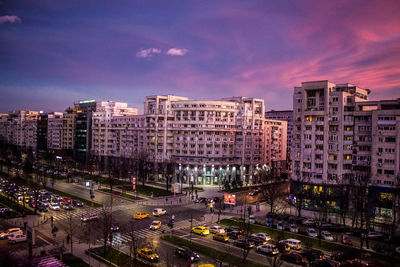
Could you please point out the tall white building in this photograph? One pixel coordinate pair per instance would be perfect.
(340, 137)
(55, 130)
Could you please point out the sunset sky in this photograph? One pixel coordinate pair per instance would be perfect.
(55, 52)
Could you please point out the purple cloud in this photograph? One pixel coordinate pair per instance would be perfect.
(148, 53)
(177, 51)
(9, 19)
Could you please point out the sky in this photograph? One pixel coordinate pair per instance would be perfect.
(55, 53)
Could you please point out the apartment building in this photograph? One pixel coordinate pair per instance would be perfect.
(208, 140)
(55, 130)
(276, 146)
(338, 136)
(68, 130)
(285, 115)
(19, 128)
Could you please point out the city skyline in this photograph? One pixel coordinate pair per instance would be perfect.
(55, 53)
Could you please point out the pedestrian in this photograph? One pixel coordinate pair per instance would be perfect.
(180, 200)
(68, 239)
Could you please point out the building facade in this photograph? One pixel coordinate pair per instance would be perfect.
(339, 138)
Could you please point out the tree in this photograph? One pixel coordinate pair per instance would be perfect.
(103, 226)
(134, 241)
(71, 228)
(142, 165)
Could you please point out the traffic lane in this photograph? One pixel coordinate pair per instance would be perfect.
(167, 255)
(229, 248)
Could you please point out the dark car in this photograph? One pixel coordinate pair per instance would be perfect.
(258, 240)
(293, 257)
(340, 228)
(343, 256)
(244, 243)
(282, 247)
(42, 208)
(382, 248)
(186, 253)
(233, 228)
(67, 206)
(234, 234)
(77, 203)
(312, 254)
(325, 263)
(114, 227)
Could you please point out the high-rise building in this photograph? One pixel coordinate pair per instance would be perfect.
(340, 137)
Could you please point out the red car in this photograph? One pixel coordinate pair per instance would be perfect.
(293, 257)
(346, 240)
(67, 199)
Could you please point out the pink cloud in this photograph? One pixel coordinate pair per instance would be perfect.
(9, 19)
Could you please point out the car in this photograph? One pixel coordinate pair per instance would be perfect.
(234, 228)
(255, 192)
(200, 230)
(16, 238)
(373, 235)
(244, 243)
(148, 254)
(140, 215)
(293, 228)
(308, 222)
(221, 237)
(280, 226)
(5, 234)
(89, 217)
(114, 227)
(292, 243)
(155, 225)
(269, 222)
(264, 236)
(326, 236)
(216, 229)
(67, 206)
(42, 208)
(235, 235)
(323, 225)
(293, 257)
(77, 203)
(45, 203)
(54, 206)
(56, 197)
(311, 232)
(340, 228)
(346, 240)
(312, 254)
(325, 263)
(268, 249)
(67, 200)
(42, 191)
(258, 240)
(159, 212)
(186, 253)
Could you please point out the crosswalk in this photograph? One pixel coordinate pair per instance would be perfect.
(120, 240)
(78, 212)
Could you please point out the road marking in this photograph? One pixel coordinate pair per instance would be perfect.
(45, 240)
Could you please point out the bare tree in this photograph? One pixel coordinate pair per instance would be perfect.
(134, 241)
(142, 165)
(71, 228)
(103, 226)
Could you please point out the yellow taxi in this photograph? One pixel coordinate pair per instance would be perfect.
(155, 225)
(200, 230)
(140, 215)
(206, 265)
(221, 237)
(148, 254)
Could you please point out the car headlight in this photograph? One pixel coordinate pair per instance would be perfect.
(192, 258)
(152, 258)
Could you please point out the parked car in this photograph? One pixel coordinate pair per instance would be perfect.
(325, 263)
(244, 243)
(373, 235)
(342, 256)
(268, 249)
(312, 254)
(255, 192)
(293, 257)
(234, 228)
(308, 222)
(293, 243)
(235, 235)
(216, 229)
(221, 237)
(258, 240)
(265, 236)
(77, 203)
(269, 222)
(326, 236)
(280, 226)
(311, 232)
(323, 225)
(186, 253)
(16, 238)
(293, 228)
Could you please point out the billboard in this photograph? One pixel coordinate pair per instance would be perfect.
(229, 199)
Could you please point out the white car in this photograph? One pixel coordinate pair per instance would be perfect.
(311, 232)
(158, 212)
(374, 235)
(280, 226)
(5, 234)
(307, 222)
(268, 249)
(264, 236)
(16, 238)
(326, 236)
(54, 206)
(293, 228)
(89, 217)
(216, 229)
(42, 191)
